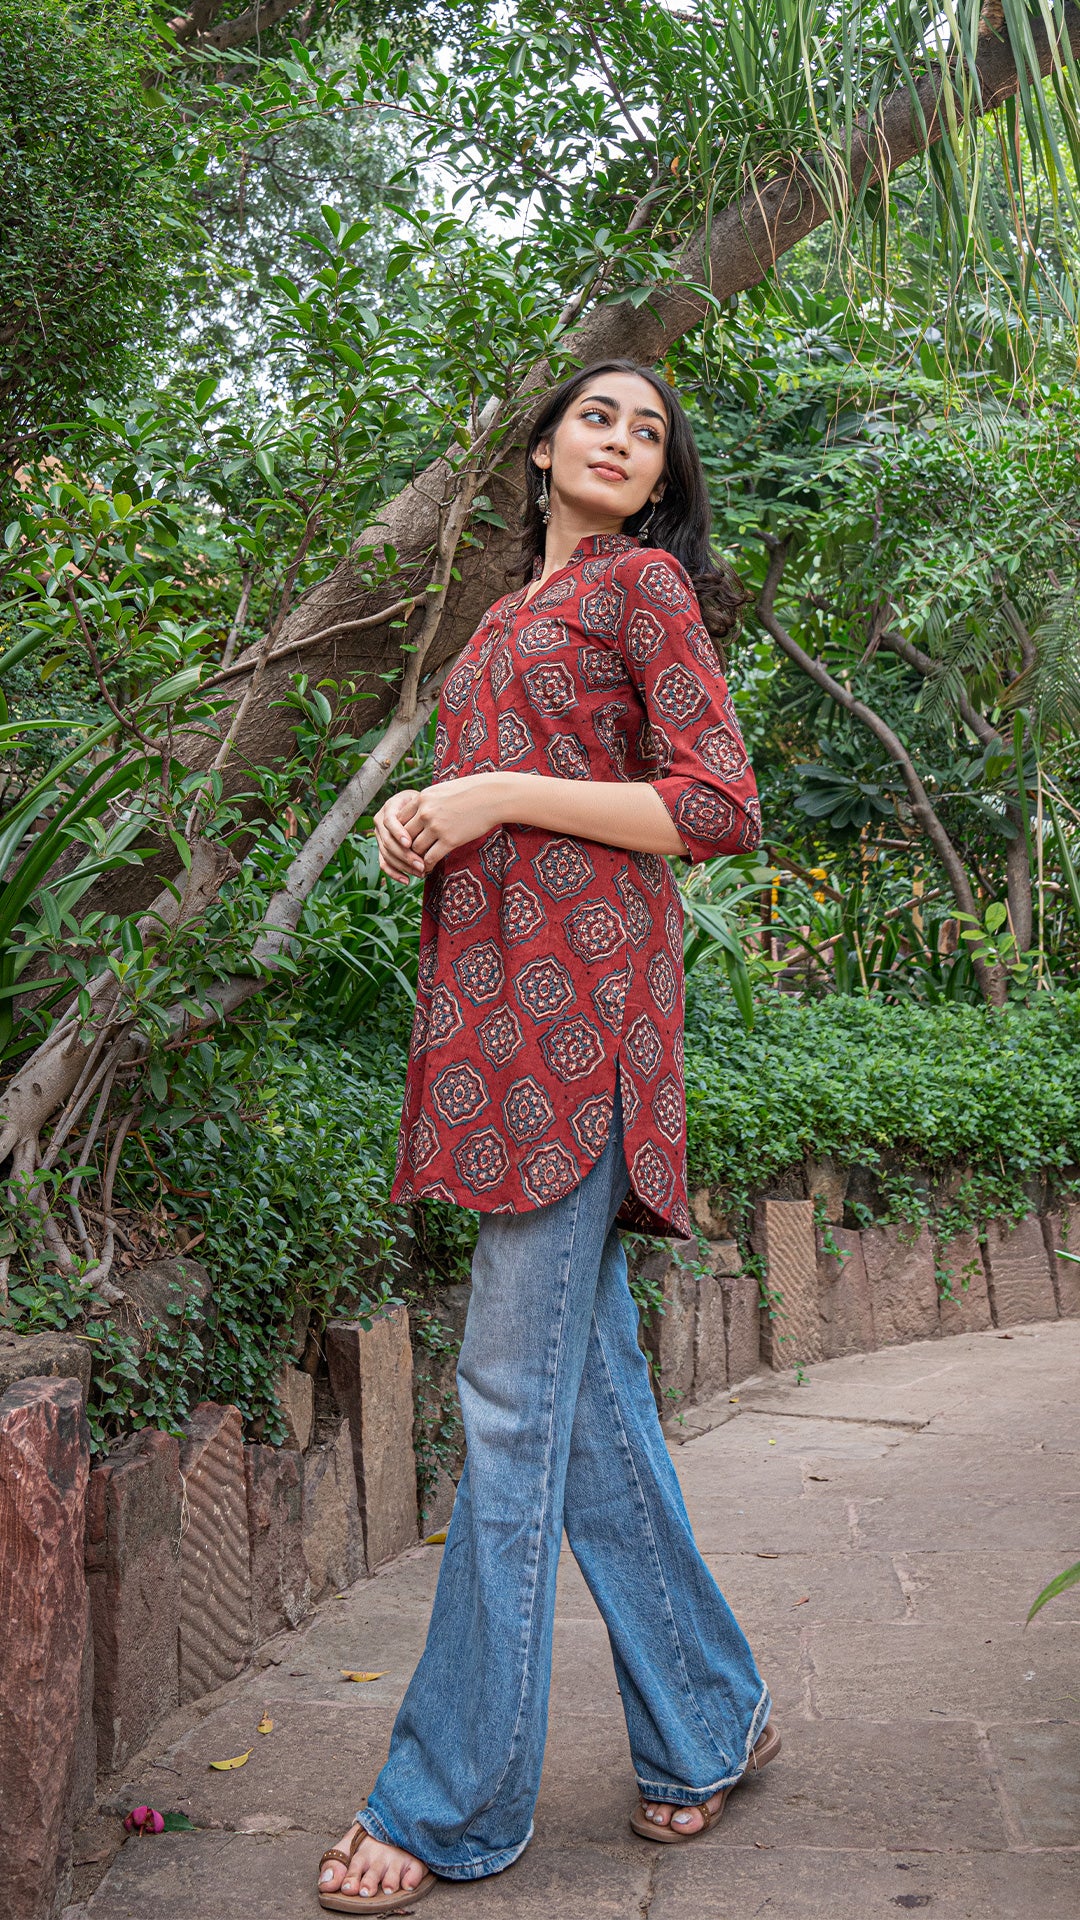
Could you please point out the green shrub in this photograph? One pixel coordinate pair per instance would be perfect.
(292, 1200)
(929, 1087)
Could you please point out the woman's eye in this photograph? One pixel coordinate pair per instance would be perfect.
(595, 413)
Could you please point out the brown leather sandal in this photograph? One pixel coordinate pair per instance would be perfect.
(765, 1748)
(369, 1902)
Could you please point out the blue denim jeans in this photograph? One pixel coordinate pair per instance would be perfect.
(562, 1431)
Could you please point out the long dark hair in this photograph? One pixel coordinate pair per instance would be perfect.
(681, 522)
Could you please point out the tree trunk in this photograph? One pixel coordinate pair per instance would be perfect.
(1018, 884)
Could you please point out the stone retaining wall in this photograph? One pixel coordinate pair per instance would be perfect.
(833, 1290)
(145, 1581)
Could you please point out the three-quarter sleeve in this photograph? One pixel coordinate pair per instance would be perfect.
(691, 735)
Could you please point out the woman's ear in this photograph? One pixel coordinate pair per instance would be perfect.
(542, 455)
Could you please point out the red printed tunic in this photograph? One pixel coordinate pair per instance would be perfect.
(548, 964)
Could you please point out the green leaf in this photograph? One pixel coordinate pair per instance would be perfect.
(175, 687)
(1060, 1584)
(131, 941)
(182, 848)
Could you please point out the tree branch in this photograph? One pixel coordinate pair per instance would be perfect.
(385, 614)
(47, 1079)
(197, 29)
(991, 979)
(1017, 864)
(742, 243)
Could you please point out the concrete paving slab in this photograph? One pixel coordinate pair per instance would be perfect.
(313, 1770)
(879, 1671)
(729, 1522)
(840, 1784)
(790, 1883)
(969, 1379)
(881, 1554)
(204, 1876)
(810, 1586)
(1038, 1769)
(764, 1472)
(609, 1883)
(587, 1792)
(212, 1876)
(954, 1588)
(802, 1436)
(921, 1523)
(924, 1462)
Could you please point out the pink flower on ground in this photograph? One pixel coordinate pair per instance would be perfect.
(145, 1820)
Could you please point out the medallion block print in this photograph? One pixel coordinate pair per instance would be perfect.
(550, 965)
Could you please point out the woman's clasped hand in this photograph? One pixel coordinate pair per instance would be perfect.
(415, 830)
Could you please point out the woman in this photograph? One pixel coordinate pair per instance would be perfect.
(586, 732)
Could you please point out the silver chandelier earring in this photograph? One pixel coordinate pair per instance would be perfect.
(648, 520)
(543, 501)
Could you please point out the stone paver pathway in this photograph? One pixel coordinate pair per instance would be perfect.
(881, 1532)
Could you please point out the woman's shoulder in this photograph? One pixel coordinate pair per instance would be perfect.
(655, 576)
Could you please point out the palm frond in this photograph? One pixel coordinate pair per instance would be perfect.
(962, 649)
(1051, 686)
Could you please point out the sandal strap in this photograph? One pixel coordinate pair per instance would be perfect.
(346, 1859)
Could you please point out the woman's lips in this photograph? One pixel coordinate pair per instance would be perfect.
(606, 472)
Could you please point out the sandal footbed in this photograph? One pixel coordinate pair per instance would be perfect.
(377, 1902)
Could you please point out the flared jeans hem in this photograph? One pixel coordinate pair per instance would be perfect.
(479, 1868)
(666, 1793)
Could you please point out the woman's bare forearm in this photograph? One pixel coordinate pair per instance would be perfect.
(614, 812)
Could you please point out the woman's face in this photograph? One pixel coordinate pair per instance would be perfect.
(606, 456)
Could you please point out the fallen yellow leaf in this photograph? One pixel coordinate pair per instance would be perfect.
(265, 1725)
(347, 1675)
(435, 1539)
(226, 1766)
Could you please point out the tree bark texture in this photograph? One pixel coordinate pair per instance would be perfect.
(197, 27)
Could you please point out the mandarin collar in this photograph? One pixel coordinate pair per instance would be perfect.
(591, 548)
(595, 544)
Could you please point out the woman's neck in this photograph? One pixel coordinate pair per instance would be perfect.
(565, 533)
